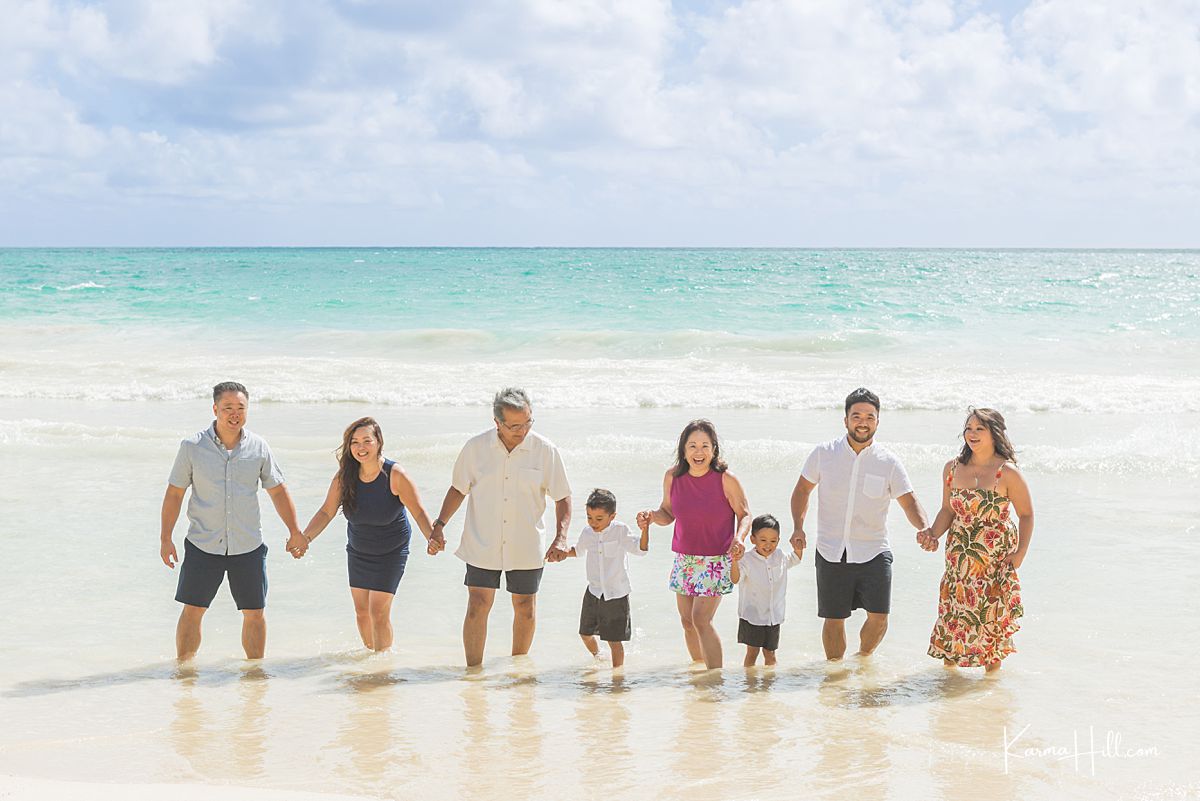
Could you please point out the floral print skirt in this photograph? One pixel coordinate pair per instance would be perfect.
(705, 576)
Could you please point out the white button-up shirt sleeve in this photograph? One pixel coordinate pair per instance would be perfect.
(556, 485)
(812, 466)
(898, 483)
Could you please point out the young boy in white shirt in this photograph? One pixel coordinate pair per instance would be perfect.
(761, 578)
(607, 544)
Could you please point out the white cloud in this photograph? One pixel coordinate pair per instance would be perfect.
(917, 120)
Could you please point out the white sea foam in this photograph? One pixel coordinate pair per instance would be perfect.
(84, 285)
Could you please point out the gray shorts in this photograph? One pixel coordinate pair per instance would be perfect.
(609, 619)
(518, 582)
(845, 586)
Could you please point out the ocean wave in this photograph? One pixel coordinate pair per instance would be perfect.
(76, 287)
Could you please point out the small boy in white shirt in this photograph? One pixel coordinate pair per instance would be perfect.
(607, 544)
(761, 576)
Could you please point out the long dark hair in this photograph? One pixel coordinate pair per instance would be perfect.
(995, 424)
(348, 466)
(717, 463)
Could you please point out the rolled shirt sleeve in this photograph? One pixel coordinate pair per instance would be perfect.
(270, 474)
(633, 544)
(181, 471)
(898, 482)
(587, 540)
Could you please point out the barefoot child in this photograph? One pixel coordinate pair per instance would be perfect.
(607, 544)
(761, 578)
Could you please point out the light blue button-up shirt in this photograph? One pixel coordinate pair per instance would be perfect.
(223, 509)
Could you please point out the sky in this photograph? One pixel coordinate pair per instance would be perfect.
(778, 123)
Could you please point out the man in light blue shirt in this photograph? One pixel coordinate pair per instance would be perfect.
(224, 465)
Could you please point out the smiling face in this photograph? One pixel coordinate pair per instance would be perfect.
(978, 436)
(364, 445)
(765, 540)
(599, 519)
(861, 422)
(698, 452)
(230, 411)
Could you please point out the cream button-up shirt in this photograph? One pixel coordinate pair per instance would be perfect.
(506, 499)
(853, 494)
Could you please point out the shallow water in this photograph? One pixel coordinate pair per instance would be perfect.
(92, 406)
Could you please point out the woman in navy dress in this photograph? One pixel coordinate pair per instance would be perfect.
(372, 493)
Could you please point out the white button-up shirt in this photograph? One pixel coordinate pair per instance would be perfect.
(506, 498)
(607, 555)
(853, 493)
(762, 586)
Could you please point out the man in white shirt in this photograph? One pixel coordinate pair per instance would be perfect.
(506, 474)
(857, 481)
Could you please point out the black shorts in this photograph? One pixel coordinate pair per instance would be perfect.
(201, 574)
(518, 582)
(765, 637)
(845, 586)
(608, 618)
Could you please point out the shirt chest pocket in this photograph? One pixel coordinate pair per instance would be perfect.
(530, 479)
(610, 548)
(874, 486)
(243, 475)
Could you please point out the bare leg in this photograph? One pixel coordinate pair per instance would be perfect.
(187, 631)
(479, 606)
(618, 653)
(524, 622)
(992, 667)
(768, 657)
(703, 610)
(751, 656)
(684, 603)
(833, 637)
(590, 643)
(872, 633)
(362, 614)
(254, 633)
(949, 663)
(379, 607)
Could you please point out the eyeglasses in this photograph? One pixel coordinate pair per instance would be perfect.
(516, 428)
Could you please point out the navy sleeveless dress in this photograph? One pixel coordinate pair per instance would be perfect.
(377, 534)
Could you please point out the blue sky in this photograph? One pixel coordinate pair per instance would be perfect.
(601, 122)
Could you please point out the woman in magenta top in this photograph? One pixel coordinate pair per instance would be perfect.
(711, 516)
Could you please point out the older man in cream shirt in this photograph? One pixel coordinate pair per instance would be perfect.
(505, 475)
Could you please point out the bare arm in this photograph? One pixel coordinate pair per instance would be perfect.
(285, 507)
(562, 519)
(736, 497)
(172, 503)
(913, 510)
(800, 496)
(406, 491)
(928, 538)
(644, 542)
(663, 515)
(324, 516)
(450, 504)
(1017, 491)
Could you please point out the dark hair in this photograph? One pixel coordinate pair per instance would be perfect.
(764, 521)
(681, 458)
(229, 386)
(348, 465)
(995, 424)
(602, 499)
(862, 395)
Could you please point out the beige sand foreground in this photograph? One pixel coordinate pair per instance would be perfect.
(17, 788)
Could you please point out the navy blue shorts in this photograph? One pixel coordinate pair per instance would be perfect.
(201, 574)
(845, 586)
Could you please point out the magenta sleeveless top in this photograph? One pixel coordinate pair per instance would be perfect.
(703, 517)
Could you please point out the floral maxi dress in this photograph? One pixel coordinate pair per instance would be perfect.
(979, 603)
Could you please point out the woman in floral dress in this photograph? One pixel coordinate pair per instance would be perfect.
(979, 603)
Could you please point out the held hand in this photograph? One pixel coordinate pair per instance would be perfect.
(297, 545)
(168, 555)
(644, 519)
(926, 540)
(437, 542)
(799, 542)
(736, 550)
(557, 550)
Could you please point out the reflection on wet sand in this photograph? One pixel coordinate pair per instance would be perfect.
(216, 751)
